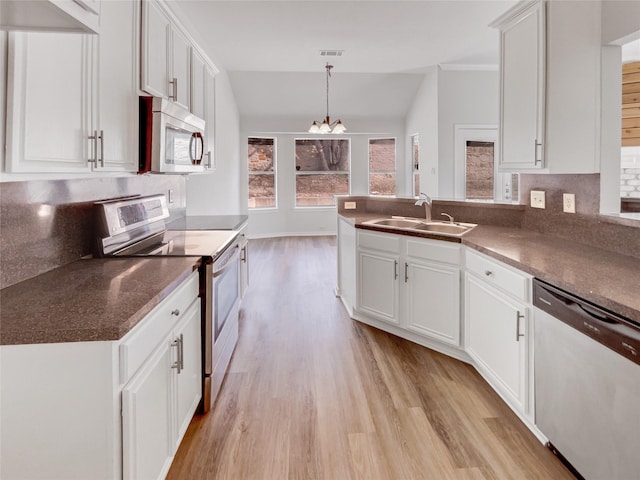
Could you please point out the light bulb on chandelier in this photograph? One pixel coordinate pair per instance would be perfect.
(326, 126)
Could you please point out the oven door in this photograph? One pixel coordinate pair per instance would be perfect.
(226, 288)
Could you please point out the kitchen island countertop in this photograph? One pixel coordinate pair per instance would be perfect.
(605, 278)
(88, 300)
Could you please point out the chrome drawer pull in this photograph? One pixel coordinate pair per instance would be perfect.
(175, 312)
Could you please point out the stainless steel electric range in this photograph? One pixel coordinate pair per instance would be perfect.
(136, 227)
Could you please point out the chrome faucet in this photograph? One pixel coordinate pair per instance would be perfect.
(425, 200)
(448, 216)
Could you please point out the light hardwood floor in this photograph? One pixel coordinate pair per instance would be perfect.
(312, 394)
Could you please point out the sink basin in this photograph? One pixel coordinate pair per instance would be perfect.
(417, 225)
(395, 222)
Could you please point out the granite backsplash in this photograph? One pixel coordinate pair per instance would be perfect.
(585, 226)
(45, 224)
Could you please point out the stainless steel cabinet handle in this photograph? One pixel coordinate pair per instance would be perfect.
(174, 84)
(101, 137)
(243, 255)
(181, 353)
(488, 273)
(177, 365)
(175, 312)
(406, 272)
(209, 164)
(94, 147)
(519, 316)
(537, 144)
(395, 270)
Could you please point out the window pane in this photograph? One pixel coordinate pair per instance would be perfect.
(382, 155)
(479, 173)
(319, 189)
(322, 155)
(261, 154)
(416, 184)
(262, 190)
(382, 183)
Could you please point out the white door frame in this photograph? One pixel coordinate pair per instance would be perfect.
(476, 133)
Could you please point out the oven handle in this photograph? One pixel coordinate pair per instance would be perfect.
(231, 259)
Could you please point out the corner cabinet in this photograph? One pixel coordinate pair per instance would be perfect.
(72, 98)
(104, 409)
(499, 334)
(522, 86)
(410, 283)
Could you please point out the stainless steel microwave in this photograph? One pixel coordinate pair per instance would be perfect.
(171, 138)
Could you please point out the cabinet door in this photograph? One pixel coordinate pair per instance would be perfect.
(189, 380)
(198, 106)
(433, 300)
(522, 90)
(180, 62)
(49, 102)
(496, 339)
(156, 31)
(378, 286)
(147, 439)
(118, 92)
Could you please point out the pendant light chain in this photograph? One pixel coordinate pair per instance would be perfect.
(326, 126)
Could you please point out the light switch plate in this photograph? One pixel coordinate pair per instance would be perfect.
(569, 202)
(349, 205)
(537, 199)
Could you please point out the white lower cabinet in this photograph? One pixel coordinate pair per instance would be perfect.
(498, 330)
(107, 409)
(410, 282)
(159, 401)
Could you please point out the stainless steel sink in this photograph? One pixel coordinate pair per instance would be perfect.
(416, 225)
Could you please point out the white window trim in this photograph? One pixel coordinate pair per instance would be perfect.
(474, 133)
(314, 172)
(274, 173)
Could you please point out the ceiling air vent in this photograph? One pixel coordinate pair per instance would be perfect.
(331, 53)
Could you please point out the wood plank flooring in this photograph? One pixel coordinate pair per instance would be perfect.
(311, 394)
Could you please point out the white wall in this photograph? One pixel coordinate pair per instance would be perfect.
(464, 97)
(447, 98)
(286, 219)
(220, 192)
(422, 119)
(620, 21)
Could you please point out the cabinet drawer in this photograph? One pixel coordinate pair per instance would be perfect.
(495, 273)
(435, 250)
(379, 241)
(138, 344)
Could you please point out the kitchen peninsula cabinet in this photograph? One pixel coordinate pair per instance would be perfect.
(72, 98)
(499, 333)
(104, 409)
(411, 283)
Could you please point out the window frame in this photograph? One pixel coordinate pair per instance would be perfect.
(321, 172)
(415, 143)
(394, 171)
(273, 172)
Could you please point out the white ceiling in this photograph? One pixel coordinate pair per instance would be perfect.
(277, 44)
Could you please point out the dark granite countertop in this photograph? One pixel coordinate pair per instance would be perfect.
(608, 279)
(88, 300)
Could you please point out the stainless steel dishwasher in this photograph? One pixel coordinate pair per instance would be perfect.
(587, 384)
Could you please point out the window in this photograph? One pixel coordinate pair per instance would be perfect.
(415, 155)
(262, 178)
(382, 166)
(479, 171)
(322, 171)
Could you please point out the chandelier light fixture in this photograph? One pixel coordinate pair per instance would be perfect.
(326, 126)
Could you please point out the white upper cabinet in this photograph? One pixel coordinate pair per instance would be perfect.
(72, 98)
(550, 87)
(522, 74)
(116, 124)
(203, 101)
(198, 67)
(166, 56)
(49, 103)
(51, 15)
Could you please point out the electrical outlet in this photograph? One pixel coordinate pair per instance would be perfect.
(349, 205)
(569, 202)
(537, 199)
(170, 196)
